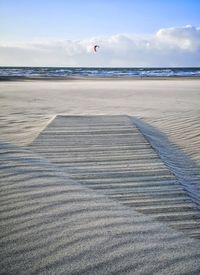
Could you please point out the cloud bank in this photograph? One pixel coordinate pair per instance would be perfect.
(167, 47)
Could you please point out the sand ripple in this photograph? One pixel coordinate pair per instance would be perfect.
(109, 154)
(51, 225)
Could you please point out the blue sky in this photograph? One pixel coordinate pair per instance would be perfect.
(78, 19)
(61, 32)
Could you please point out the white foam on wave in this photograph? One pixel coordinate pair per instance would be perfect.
(54, 72)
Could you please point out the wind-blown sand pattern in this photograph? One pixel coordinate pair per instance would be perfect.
(51, 224)
(186, 170)
(182, 130)
(108, 153)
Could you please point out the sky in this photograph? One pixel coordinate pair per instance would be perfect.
(129, 32)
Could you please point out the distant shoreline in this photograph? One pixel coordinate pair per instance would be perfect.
(67, 78)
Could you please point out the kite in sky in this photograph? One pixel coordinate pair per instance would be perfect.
(95, 48)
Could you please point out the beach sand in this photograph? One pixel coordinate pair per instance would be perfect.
(172, 106)
(52, 224)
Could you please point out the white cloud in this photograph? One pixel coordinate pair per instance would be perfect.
(168, 47)
(187, 38)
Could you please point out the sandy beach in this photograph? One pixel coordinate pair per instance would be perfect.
(172, 106)
(52, 223)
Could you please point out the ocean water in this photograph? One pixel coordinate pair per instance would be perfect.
(107, 72)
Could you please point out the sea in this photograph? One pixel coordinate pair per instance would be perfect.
(101, 72)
